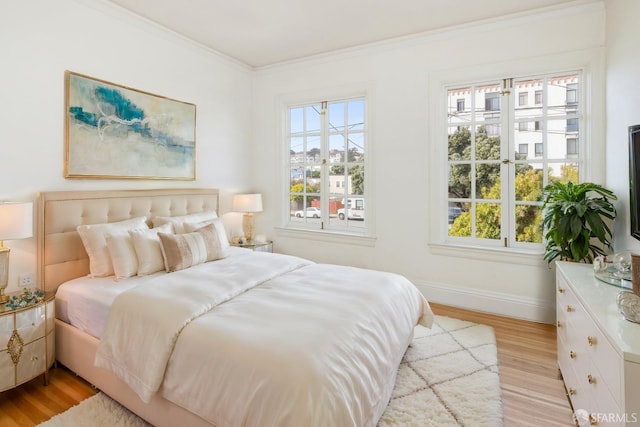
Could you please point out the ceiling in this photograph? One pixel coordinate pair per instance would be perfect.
(265, 32)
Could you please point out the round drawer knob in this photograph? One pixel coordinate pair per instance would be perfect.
(572, 391)
(592, 341)
(572, 354)
(561, 290)
(591, 379)
(570, 309)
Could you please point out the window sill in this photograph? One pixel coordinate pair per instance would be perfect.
(326, 236)
(498, 254)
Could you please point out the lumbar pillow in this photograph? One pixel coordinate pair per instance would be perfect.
(217, 223)
(179, 221)
(146, 244)
(95, 243)
(182, 251)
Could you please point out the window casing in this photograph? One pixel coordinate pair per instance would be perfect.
(496, 180)
(326, 145)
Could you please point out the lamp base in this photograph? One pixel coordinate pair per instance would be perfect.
(4, 272)
(248, 226)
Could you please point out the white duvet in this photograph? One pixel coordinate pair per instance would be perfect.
(264, 339)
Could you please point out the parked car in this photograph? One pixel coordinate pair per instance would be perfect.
(311, 212)
(351, 213)
(454, 213)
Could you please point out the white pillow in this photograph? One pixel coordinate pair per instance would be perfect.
(222, 233)
(95, 243)
(123, 255)
(146, 244)
(179, 221)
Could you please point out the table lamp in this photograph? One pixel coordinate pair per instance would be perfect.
(16, 222)
(249, 204)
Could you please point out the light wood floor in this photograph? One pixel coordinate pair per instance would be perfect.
(532, 392)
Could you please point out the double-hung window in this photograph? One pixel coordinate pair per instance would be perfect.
(326, 142)
(502, 152)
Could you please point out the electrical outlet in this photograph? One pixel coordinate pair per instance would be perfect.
(26, 280)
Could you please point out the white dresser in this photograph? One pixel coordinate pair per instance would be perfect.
(598, 350)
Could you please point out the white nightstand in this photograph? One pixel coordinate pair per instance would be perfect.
(27, 342)
(258, 247)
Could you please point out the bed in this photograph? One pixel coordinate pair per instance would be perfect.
(245, 339)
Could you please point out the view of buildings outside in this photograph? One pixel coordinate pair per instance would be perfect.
(507, 141)
(327, 149)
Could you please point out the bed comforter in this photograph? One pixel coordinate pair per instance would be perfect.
(264, 339)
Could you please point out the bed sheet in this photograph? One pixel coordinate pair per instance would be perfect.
(85, 302)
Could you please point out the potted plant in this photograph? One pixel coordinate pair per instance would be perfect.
(573, 215)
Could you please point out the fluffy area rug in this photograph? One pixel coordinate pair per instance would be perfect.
(448, 377)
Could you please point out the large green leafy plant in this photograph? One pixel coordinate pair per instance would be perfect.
(575, 214)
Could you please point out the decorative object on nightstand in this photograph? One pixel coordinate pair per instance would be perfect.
(249, 204)
(27, 337)
(16, 222)
(256, 246)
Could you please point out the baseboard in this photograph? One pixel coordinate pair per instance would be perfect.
(501, 304)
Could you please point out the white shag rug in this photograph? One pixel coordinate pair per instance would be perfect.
(448, 377)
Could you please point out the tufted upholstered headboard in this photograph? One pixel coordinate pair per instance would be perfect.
(61, 255)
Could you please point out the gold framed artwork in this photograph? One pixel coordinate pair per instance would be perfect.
(113, 131)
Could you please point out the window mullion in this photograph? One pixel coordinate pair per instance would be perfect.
(508, 169)
(324, 169)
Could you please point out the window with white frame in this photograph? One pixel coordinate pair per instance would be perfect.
(326, 141)
(493, 178)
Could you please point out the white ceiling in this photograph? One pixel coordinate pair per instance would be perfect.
(265, 32)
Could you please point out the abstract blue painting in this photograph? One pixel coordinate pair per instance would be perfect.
(113, 131)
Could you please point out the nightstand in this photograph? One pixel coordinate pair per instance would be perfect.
(27, 342)
(257, 247)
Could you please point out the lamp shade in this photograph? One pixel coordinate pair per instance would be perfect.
(247, 203)
(16, 220)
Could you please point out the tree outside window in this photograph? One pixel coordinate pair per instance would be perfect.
(498, 199)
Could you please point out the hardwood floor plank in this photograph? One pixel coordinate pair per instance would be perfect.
(533, 394)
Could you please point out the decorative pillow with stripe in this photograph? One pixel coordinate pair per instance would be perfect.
(222, 233)
(178, 222)
(182, 251)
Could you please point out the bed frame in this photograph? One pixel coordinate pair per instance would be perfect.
(61, 257)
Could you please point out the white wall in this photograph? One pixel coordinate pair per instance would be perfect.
(40, 39)
(623, 107)
(237, 144)
(401, 77)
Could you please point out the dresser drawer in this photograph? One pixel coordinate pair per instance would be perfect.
(602, 399)
(574, 387)
(605, 364)
(32, 361)
(30, 324)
